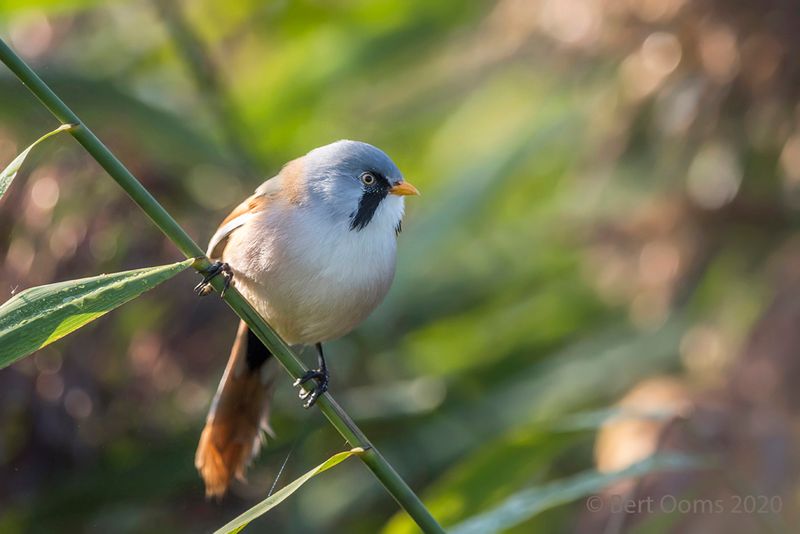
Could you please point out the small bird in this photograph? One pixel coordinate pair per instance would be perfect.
(313, 250)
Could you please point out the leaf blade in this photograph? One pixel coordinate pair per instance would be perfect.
(10, 172)
(41, 315)
(238, 523)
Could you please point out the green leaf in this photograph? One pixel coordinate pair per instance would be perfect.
(274, 500)
(527, 503)
(10, 172)
(40, 315)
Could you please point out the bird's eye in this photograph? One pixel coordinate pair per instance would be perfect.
(368, 178)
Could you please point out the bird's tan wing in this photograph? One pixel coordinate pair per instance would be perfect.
(286, 184)
(238, 217)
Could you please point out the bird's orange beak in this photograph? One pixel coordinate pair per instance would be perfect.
(403, 189)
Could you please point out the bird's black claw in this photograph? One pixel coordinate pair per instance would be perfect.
(204, 287)
(310, 396)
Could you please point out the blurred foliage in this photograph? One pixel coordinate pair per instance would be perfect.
(610, 193)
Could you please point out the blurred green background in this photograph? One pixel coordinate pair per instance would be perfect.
(609, 216)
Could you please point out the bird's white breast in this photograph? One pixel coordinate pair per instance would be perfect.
(314, 280)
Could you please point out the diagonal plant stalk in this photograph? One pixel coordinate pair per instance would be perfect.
(382, 470)
(205, 74)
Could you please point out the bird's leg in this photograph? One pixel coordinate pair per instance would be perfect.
(320, 375)
(204, 287)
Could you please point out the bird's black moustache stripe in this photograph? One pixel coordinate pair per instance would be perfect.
(370, 200)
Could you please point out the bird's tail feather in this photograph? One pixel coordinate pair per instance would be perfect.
(239, 412)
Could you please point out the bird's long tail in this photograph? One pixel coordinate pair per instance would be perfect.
(239, 412)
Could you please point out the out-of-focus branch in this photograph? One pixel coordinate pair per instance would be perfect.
(209, 82)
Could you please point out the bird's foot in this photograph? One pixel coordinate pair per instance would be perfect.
(310, 396)
(204, 287)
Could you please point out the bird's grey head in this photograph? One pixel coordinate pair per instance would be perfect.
(357, 183)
